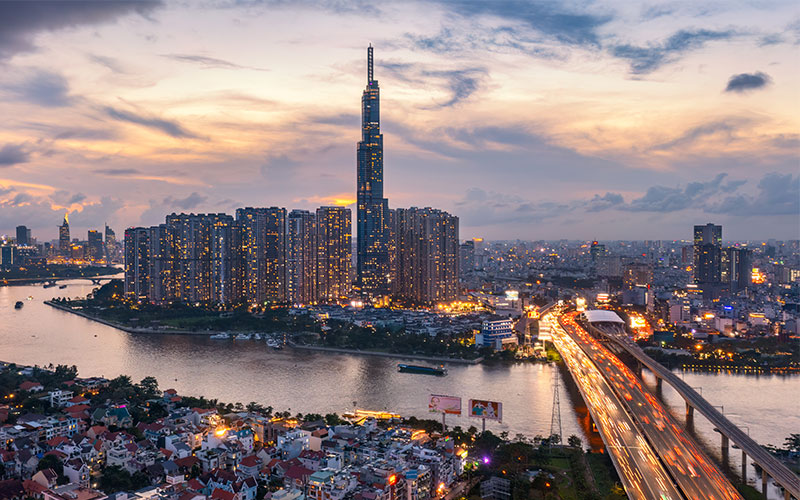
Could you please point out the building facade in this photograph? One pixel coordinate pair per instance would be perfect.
(334, 253)
(301, 258)
(708, 254)
(373, 242)
(64, 244)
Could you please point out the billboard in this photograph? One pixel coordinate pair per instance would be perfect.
(491, 410)
(449, 405)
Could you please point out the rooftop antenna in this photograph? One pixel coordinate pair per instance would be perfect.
(369, 65)
(555, 415)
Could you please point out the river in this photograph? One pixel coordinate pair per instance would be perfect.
(305, 381)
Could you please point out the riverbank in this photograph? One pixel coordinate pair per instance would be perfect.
(151, 331)
(419, 357)
(56, 273)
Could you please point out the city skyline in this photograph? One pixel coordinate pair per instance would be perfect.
(608, 121)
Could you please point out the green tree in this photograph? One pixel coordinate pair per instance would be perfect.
(51, 462)
(148, 388)
(574, 441)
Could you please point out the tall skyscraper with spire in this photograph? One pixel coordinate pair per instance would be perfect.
(64, 243)
(372, 248)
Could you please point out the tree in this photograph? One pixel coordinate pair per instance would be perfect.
(149, 387)
(792, 443)
(254, 407)
(332, 419)
(51, 462)
(574, 441)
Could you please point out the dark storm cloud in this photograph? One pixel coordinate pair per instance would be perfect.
(42, 87)
(744, 82)
(546, 17)
(647, 59)
(12, 154)
(605, 202)
(21, 20)
(169, 127)
(116, 171)
(209, 62)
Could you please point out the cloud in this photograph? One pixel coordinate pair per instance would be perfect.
(13, 154)
(20, 21)
(188, 203)
(670, 199)
(209, 62)
(609, 200)
(169, 127)
(42, 87)
(117, 171)
(744, 82)
(726, 128)
(549, 18)
(461, 83)
(647, 59)
(778, 194)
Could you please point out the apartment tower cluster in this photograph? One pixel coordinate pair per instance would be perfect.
(265, 256)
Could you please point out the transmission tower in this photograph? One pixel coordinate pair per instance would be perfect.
(555, 416)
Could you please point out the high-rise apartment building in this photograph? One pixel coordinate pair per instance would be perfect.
(64, 244)
(708, 254)
(334, 253)
(137, 262)
(264, 253)
(301, 257)
(94, 246)
(467, 257)
(637, 274)
(373, 243)
(596, 250)
(427, 258)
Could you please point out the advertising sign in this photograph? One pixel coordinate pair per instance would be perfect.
(490, 410)
(449, 405)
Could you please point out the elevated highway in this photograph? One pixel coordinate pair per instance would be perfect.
(770, 466)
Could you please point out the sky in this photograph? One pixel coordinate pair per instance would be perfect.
(526, 119)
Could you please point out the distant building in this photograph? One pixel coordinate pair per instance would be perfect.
(496, 334)
(637, 274)
(737, 268)
(110, 246)
(64, 244)
(137, 261)
(609, 266)
(467, 257)
(23, 236)
(7, 256)
(596, 250)
(708, 254)
(94, 245)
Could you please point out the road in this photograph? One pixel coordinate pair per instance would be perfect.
(772, 466)
(640, 471)
(694, 473)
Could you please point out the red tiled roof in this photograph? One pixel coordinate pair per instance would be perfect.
(219, 494)
(298, 472)
(251, 461)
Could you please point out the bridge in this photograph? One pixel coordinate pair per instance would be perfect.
(770, 466)
(49, 282)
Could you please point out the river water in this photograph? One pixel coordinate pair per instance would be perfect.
(304, 381)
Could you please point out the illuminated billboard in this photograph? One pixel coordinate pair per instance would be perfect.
(449, 405)
(491, 410)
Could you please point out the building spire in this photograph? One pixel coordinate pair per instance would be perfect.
(369, 65)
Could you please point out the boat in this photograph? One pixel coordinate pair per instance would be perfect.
(425, 370)
(257, 336)
(243, 336)
(61, 287)
(220, 336)
(18, 305)
(49, 285)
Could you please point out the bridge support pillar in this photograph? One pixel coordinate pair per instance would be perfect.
(689, 414)
(659, 384)
(744, 467)
(764, 482)
(725, 448)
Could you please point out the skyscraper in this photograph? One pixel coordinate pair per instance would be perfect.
(64, 245)
(23, 236)
(334, 253)
(110, 246)
(708, 254)
(737, 268)
(301, 261)
(373, 267)
(95, 245)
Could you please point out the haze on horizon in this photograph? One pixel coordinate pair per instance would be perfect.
(528, 120)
